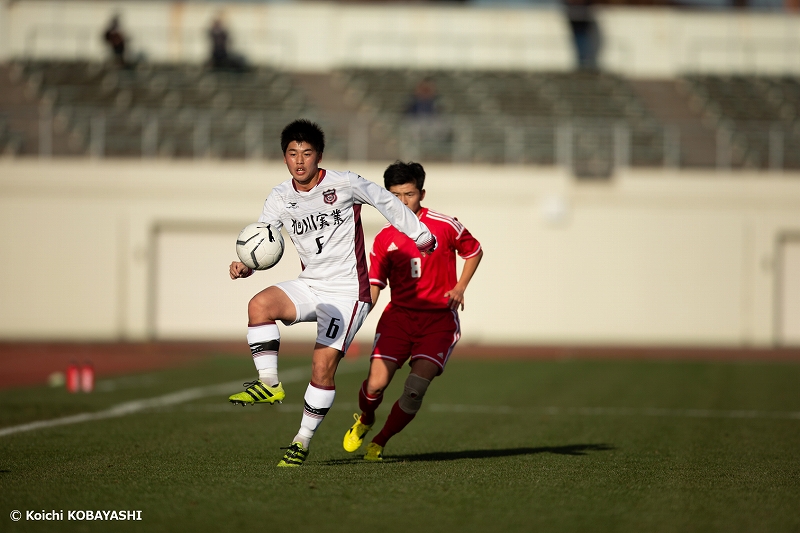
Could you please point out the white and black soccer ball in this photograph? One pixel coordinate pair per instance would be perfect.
(259, 246)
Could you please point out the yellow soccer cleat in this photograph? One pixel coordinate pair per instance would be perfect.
(355, 435)
(258, 392)
(295, 455)
(374, 452)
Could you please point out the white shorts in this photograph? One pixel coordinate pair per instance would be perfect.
(338, 319)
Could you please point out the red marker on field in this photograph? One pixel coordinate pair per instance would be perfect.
(87, 377)
(73, 377)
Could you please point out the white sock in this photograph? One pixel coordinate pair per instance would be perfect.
(318, 402)
(265, 341)
(267, 366)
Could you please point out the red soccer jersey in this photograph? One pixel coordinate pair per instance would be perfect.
(419, 282)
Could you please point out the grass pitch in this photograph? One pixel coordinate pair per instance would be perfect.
(623, 446)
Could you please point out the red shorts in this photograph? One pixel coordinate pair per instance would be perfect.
(404, 333)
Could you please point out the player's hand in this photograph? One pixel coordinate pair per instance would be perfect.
(455, 298)
(239, 270)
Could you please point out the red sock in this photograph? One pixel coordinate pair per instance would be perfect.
(398, 419)
(368, 404)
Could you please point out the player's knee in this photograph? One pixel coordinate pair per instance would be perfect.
(375, 390)
(413, 392)
(256, 303)
(375, 386)
(260, 308)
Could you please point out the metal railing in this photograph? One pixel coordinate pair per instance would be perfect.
(591, 147)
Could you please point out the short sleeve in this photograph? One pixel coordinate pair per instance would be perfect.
(465, 244)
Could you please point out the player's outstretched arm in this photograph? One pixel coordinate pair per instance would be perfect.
(455, 296)
(239, 270)
(398, 215)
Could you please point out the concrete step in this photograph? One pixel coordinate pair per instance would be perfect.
(670, 106)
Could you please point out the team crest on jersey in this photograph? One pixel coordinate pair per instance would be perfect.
(329, 196)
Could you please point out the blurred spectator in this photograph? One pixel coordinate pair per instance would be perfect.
(221, 57)
(425, 124)
(423, 100)
(115, 39)
(219, 44)
(585, 32)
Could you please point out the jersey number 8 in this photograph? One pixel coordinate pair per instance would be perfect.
(416, 267)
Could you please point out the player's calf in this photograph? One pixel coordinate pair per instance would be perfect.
(403, 411)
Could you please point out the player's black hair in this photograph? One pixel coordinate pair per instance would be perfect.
(303, 130)
(400, 173)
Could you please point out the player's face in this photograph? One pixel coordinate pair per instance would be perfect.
(302, 160)
(409, 195)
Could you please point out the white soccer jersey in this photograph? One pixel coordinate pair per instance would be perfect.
(325, 227)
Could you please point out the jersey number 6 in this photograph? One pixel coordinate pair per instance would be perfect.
(333, 329)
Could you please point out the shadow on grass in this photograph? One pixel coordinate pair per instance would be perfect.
(570, 449)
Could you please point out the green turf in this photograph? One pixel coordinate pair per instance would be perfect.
(629, 446)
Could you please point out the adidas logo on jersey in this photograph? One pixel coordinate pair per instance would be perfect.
(392, 247)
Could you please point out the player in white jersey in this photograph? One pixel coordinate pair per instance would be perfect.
(321, 211)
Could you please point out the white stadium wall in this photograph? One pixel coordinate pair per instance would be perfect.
(139, 250)
(665, 43)
(637, 42)
(330, 35)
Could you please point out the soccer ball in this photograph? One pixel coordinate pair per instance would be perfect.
(259, 246)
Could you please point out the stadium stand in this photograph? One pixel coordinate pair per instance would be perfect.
(164, 110)
(10, 140)
(17, 113)
(514, 117)
(590, 120)
(760, 115)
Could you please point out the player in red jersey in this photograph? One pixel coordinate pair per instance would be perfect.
(420, 322)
